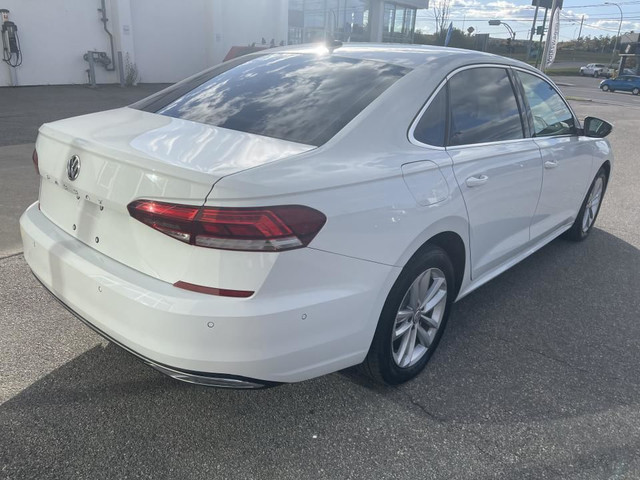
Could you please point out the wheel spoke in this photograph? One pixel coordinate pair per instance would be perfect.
(424, 337)
(402, 330)
(410, 346)
(435, 301)
(402, 349)
(429, 321)
(414, 294)
(431, 293)
(585, 221)
(403, 315)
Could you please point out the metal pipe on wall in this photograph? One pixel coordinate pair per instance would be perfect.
(104, 20)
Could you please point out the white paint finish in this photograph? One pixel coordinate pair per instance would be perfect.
(567, 162)
(263, 337)
(158, 143)
(374, 226)
(501, 209)
(425, 182)
(126, 155)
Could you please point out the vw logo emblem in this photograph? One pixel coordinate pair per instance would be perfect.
(73, 167)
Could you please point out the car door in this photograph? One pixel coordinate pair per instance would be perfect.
(629, 84)
(498, 169)
(567, 157)
(617, 83)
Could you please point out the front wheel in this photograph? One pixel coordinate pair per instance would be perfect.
(605, 88)
(413, 318)
(635, 91)
(589, 210)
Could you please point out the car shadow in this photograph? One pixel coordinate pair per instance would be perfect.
(553, 337)
(556, 337)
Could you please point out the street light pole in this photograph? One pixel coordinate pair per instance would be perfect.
(512, 34)
(615, 45)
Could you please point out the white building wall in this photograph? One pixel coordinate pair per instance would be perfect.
(171, 38)
(54, 35)
(242, 22)
(166, 39)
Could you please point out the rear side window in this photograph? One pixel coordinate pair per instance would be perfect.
(483, 107)
(301, 98)
(431, 128)
(551, 116)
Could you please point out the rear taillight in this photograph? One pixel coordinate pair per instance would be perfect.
(34, 157)
(272, 229)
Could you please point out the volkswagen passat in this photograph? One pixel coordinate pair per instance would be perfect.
(295, 212)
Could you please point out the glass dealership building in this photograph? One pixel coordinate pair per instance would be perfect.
(353, 20)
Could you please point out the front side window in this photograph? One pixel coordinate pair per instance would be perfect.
(551, 116)
(303, 98)
(483, 107)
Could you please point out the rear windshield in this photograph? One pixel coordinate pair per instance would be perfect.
(301, 98)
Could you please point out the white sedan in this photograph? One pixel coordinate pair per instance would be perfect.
(294, 212)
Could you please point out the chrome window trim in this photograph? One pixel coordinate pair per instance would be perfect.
(414, 125)
(413, 140)
(484, 144)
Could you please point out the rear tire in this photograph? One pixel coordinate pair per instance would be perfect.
(635, 91)
(589, 210)
(413, 318)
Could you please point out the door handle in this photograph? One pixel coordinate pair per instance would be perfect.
(476, 181)
(550, 164)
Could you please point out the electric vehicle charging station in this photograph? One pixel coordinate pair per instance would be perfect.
(11, 52)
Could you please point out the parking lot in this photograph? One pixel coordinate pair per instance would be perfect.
(537, 375)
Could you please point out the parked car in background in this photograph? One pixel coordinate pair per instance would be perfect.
(300, 210)
(596, 70)
(624, 83)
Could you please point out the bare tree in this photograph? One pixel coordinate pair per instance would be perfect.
(441, 14)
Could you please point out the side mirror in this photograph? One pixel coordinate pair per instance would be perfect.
(594, 127)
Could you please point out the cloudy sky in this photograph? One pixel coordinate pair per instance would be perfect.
(599, 19)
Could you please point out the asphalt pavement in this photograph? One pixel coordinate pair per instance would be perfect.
(536, 377)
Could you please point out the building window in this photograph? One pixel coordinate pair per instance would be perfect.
(399, 23)
(311, 20)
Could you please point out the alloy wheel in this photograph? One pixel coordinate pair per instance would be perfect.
(419, 317)
(593, 203)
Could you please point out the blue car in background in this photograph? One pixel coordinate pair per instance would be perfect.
(624, 83)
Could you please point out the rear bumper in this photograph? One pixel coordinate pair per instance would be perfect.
(316, 312)
(197, 378)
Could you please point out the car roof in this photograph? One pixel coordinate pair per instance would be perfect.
(406, 55)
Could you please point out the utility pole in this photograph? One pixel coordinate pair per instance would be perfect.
(615, 45)
(533, 29)
(544, 23)
(580, 32)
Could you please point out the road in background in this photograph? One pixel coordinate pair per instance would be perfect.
(536, 376)
(588, 89)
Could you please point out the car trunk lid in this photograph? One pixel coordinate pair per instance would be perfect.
(126, 154)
